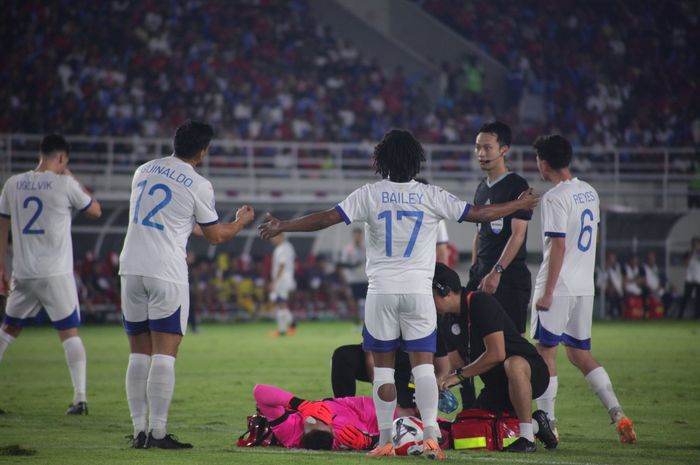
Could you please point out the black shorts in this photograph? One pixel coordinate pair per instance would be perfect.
(513, 291)
(348, 366)
(494, 396)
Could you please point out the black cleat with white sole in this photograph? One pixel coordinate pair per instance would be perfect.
(80, 408)
(545, 434)
(168, 442)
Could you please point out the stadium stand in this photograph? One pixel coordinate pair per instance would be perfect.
(611, 73)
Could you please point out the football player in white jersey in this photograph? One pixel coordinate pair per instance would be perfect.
(38, 206)
(169, 201)
(401, 219)
(282, 283)
(562, 303)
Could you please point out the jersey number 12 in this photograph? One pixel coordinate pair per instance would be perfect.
(166, 200)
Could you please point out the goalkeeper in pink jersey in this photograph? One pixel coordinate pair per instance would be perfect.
(342, 423)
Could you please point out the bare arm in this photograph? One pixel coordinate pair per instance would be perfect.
(442, 253)
(517, 237)
(312, 222)
(222, 232)
(556, 260)
(94, 211)
(4, 276)
(442, 366)
(481, 213)
(495, 353)
(475, 247)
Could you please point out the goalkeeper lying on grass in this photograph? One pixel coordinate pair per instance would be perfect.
(342, 423)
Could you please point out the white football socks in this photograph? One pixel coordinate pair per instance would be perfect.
(5, 341)
(385, 409)
(547, 400)
(600, 383)
(159, 390)
(77, 361)
(284, 319)
(427, 398)
(136, 380)
(527, 431)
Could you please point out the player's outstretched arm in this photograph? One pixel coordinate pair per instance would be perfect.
(312, 222)
(222, 232)
(480, 213)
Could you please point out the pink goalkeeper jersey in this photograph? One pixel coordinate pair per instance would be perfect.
(272, 402)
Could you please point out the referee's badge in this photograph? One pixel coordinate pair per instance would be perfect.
(456, 330)
(496, 225)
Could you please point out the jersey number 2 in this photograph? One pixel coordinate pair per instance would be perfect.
(27, 229)
(166, 200)
(386, 215)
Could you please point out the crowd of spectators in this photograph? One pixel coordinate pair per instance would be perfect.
(256, 69)
(622, 73)
(611, 72)
(227, 287)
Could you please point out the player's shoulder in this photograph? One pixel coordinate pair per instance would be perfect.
(515, 180)
(11, 182)
(584, 184)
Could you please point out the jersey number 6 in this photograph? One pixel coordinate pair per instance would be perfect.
(585, 228)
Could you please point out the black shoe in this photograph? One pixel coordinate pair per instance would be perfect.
(521, 445)
(545, 433)
(168, 442)
(138, 442)
(77, 409)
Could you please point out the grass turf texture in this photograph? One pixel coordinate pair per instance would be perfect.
(653, 366)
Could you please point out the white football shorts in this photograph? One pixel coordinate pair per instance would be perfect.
(568, 320)
(400, 320)
(58, 295)
(152, 304)
(281, 291)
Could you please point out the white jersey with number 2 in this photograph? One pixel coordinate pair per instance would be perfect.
(571, 210)
(167, 197)
(400, 232)
(40, 206)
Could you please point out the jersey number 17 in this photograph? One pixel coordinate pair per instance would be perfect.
(400, 214)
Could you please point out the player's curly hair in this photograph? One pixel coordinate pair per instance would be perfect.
(398, 156)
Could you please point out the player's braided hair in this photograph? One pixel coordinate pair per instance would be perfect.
(398, 156)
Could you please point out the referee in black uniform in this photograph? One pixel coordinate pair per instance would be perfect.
(498, 253)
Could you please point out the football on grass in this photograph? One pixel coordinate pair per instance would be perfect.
(408, 436)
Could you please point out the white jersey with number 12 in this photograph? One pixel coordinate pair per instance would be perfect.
(167, 197)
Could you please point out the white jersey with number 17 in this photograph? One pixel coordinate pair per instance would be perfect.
(571, 210)
(400, 232)
(167, 197)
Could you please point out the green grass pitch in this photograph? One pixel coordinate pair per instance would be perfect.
(653, 365)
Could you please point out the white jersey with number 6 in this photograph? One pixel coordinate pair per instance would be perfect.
(571, 210)
(167, 197)
(400, 232)
(39, 206)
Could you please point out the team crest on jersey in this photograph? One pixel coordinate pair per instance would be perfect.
(456, 330)
(496, 225)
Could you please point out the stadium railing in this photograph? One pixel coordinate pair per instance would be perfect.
(266, 170)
